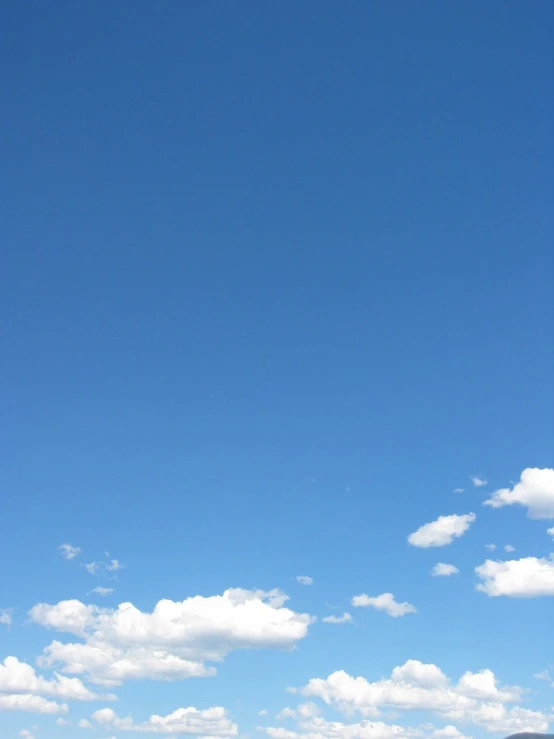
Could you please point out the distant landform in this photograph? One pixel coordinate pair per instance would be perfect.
(530, 735)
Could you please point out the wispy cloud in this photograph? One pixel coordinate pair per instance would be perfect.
(6, 616)
(458, 490)
(68, 551)
(98, 568)
(99, 590)
(441, 532)
(344, 619)
(305, 580)
(478, 481)
(444, 570)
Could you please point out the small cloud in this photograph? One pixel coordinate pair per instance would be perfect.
(85, 724)
(478, 481)
(534, 491)
(344, 619)
(544, 675)
(98, 568)
(68, 551)
(441, 532)
(63, 722)
(286, 713)
(490, 547)
(263, 712)
(443, 570)
(99, 590)
(384, 602)
(6, 616)
(550, 531)
(305, 580)
(509, 548)
(26, 734)
(458, 490)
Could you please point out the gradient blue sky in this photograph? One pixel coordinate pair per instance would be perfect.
(276, 279)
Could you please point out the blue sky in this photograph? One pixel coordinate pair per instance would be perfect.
(277, 280)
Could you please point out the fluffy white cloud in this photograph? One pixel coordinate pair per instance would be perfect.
(6, 617)
(31, 704)
(458, 490)
(20, 677)
(286, 713)
(332, 619)
(444, 570)
(550, 532)
(99, 590)
(172, 642)
(63, 722)
(478, 481)
(528, 577)
(476, 698)
(448, 732)
(442, 531)
(211, 722)
(319, 728)
(305, 580)
(384, 602)
(85, 724)
(68, 551)
(509, 548)
(534, 491)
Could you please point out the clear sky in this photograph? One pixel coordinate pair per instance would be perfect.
(276, 280)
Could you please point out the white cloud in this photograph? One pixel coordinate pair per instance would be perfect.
(490, 547)
(26, 734)
(99, 590)
(442, 531)
(305, 580)
(263, 712)
(478, 481)
(20, 677)
(171, 643)
(99, 568)
(31, 704)
(6, 617)
(318, 728)
(68, 551)
(384, 602)
(286, 713)
(550, 532)
(63, 722)
(344, 619)
(458, 490)
(444, 570)
(528, 577)
(212, 722)
(476, 698)
(509, 548)
(85, 724)
(534, 491)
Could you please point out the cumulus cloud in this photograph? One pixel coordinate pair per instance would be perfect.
(444, 570)
(534, 491)
(509, 548)
(478, 481)
(211, 722)
(20, 677)
(318, 728)
(442, 531)
(384, 602)
(344, 619)
(550, 532)
(84, 723)
(476, 698)
(528, 577)
(68, 551)
(173, 641)
(6, 617)
(31, 704)
(26, 734)
(305, 580)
